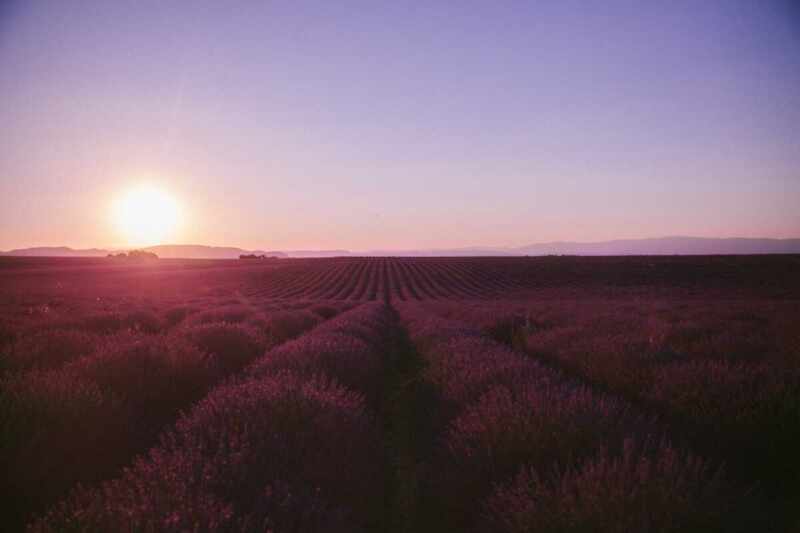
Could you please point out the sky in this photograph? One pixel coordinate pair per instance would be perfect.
(396, 125)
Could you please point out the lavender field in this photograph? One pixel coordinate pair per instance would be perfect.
(373, 394)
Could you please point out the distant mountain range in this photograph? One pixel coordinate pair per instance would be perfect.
(165, 251)
(654, 246)
(651, 246)
(667, 246)
(196, 251)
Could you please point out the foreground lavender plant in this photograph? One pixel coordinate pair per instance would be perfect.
(106, 406)
(246, 458)
(249, 456)
(507, 412)
(647, 490)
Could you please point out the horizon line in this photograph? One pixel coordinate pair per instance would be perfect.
(403, 249)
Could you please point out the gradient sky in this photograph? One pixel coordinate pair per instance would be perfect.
(287, 125)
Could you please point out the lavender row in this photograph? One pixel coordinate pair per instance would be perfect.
(347, 349)
(285, 446)
(517, 436)
(102, 408)
(48, 336)
(727, 372)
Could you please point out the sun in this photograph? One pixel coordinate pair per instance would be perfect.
(146, 215)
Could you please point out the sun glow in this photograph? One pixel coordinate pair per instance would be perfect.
(146, 215)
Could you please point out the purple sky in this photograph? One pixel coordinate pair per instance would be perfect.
(396, 125)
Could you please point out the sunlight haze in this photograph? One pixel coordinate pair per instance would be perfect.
(366, 125)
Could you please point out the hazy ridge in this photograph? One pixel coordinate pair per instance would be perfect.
(652, 246)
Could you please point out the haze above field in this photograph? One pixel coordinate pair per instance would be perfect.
(662, 246)
(375, 126)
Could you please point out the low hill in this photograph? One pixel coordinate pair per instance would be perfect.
(196, 251)
(56, 251)
(165, 251)
(666, 246)
(654, 246)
